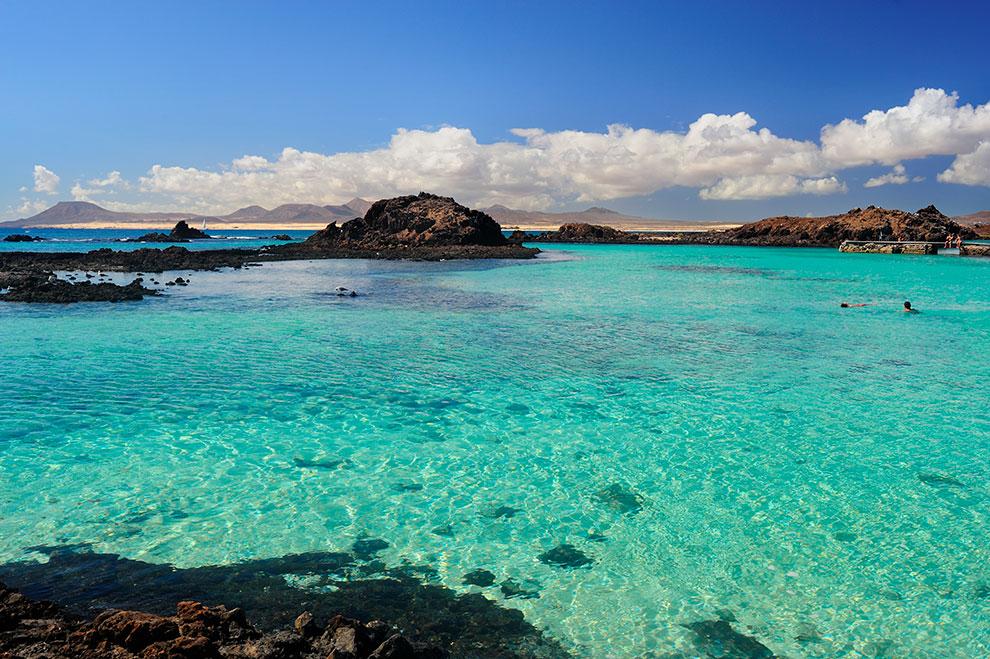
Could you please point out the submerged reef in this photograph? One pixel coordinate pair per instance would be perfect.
(86, 584)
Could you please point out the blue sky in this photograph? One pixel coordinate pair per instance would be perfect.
(91, 88)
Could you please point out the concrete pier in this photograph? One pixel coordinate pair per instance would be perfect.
(889, 247)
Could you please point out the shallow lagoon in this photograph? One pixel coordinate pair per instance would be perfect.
(705, 424)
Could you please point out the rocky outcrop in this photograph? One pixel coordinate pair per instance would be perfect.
(581, 233)
(869, 224)
(974, 250)
(180, 233)
(138, 260)
(424, 226)
(34, 630)
(46, 287)
(21, 238)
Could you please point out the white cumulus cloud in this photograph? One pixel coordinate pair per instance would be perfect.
(722, 156)
(932, 123)
(764, 186)
(896, 176)
(45, 180)
(112, 182)
(970, 168)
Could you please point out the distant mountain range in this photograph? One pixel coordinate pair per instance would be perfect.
(510, 218)
(979, 217)
(85, 214)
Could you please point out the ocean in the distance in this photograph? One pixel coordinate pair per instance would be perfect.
(84, 240)
(706, 426)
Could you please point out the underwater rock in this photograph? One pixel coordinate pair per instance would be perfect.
(503, 512)
(511, 589)
(366, 548)
(939, 480)
(318, 464)
(444, 531)
(717, 638)
(621, 499)
(517, 408)
(479, 577)
(565, 555)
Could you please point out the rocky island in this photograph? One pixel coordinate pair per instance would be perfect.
(180, 233)
(870, 224)
(420, 227)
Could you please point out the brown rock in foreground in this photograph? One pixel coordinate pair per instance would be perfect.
(872, 223)
(36, 630)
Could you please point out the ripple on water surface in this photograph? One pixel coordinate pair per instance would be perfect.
(645, 450)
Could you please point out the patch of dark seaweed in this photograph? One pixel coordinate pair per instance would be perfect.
(465, 625)
(328, 465)
(717, 638)
(565, 555)
(939, 480)
(715, 269)
(621, 499)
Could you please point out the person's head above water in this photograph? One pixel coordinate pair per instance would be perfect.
(907, 306)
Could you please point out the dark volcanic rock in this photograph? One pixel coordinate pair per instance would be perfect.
(585, 233)
(424, 226)
(466, 625)
(45, 287)
(565, 555)
(717, 638)
(183, 231)
(871, 223)
(36, 630)
(21, 238)
(281, 236)
(479, 577)
(138, 260)
(180, 233)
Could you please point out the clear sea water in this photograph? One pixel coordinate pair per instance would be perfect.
(705, 423)
(83, 240)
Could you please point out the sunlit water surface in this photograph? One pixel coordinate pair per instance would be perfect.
(706, 424)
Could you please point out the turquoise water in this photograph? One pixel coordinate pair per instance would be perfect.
(83, 240)
(705, 424)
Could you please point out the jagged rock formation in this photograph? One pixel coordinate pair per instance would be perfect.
(180, 233)
(421, 226)
(871, 223)
(36, 630)
(580, 233)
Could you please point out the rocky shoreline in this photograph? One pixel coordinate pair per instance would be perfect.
(869, 224)
(423, 227)
(31, 629)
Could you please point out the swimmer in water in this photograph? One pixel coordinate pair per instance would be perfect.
(908, 308)
(846, 305)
